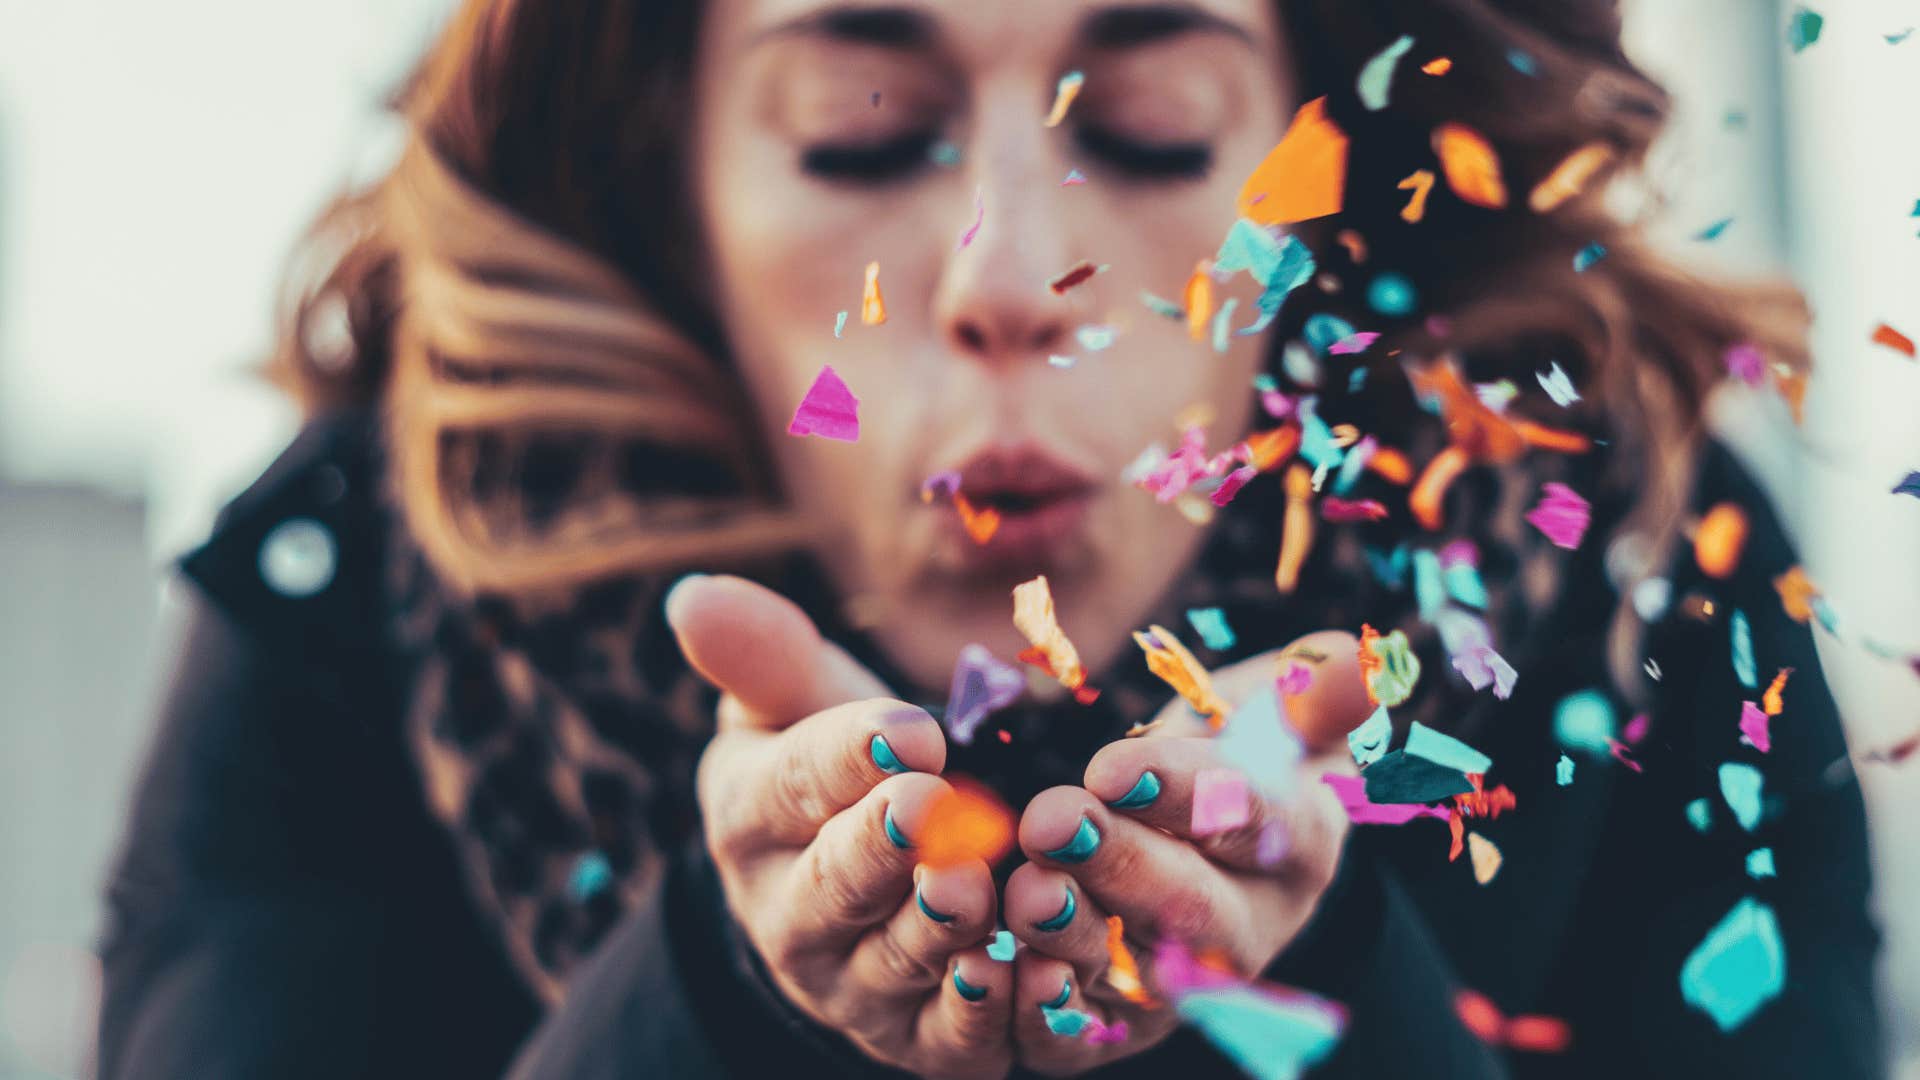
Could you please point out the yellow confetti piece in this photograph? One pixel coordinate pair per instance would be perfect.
(1471, 166)
(1033, 616)
(1198, 298)
(1303, 177)
(1063, 95)
(1797, 591)
(1770, 702)
(1421, 184)
(1486, 857)
(1296, 536)
(1178, 668)
(1123, 971)
(873, 307)
(1570, 177)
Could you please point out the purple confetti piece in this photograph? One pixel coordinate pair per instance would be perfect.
(941, 485)
(982, 683)
(1746, 363)
(1297, 678)
(1909, 486)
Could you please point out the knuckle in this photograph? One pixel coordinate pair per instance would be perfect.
(905, 964)
(836, 887)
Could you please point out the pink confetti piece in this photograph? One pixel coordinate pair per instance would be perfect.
(1460, 553)
(1746, 363)
(1231, 486)
(1352, 791)
(829, 410)
(1219, 801)
(1099, 1034)
(1753, 727)
(1346, 511)
(1562, 515)
(1356, 343)
(979, 216)
(1636, 730)
(1297, 679)
(1623, 754)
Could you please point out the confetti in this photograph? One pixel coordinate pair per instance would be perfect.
(1563, 771)
(1400, 778)
(1471, 167)
(1003, 947)
(1392, 295)
(1753, 727)
(1376, 76)
(1437, 66)
(828, 410)
(1259, 742)
(1584, 721)
(1486, 857)
(1534, 1034)
(1211, 624)
(1894, 39)
(1700, 815)
(980, 524)
(982, 683)
(979, 218)
(1584, 259)
(1558, 386)
(1060, 361)
(1298, 679)
(1760, 863)
(591, 875)
(1741, 636)
(1740, 785)
(1297, 532)
(1270, 1031)
(1354, 343)
(1797, 592)
(1562, 515)
(1223, 325)
(1198, 297)
(1569, 178)
(1803, 28)
(1713, 231)
(1303, 177)
(1067, 1022)
(1421, 184)
(1390, 666)
(1344, 511)
(1352, 792)
(1746, 363)
(1123, 971)
(1063, 94)
(1076, 274)
(1095, 337)
(1909, 486)
(839, 323)
(1170, 660)
(1523, 62)
(1219, 801)
(873, 307)
(965, 822)
(1368, 742)
(1441, 749)
(1720, 540)
(1739, 966)
(1051, 650)
(1074, 178)
(1482, 667)
(1771, 700)
(1893, 339)
(944, 154)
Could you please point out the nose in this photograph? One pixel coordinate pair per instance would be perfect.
(993, 303)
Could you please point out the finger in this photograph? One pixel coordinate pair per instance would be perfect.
(1045, 909)
(760, 648)
(965, 1025)
(951, 908)
(1156, 883)
(784, 788)
(1043, 984)
(1333, 702)
(857, 871)
(1153, 781)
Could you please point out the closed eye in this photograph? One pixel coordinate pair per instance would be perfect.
(1147, 161)
(870, 162)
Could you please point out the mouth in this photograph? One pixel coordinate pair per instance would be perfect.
(1016, 504)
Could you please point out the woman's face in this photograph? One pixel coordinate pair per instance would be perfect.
(825, 139)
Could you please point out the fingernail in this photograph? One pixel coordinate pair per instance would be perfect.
(884, 757)
(929, 912)
(1086, 840)
(1066, 992)
(967, 990)
(1060, 921)
(894, 834)
(1142, 793)
(666, 602)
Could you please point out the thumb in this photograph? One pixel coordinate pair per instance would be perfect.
(760, 648)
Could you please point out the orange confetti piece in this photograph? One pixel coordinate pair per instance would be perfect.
(1355, 244)
(1303, 177)
(1570, 177)
(1720, 540)
(1485, 857)
(1178, 668)
(1541, 437)
(1437, 66)
(1063, 94)
(1471, 166)
(1793, 389)
(1535, 1034)
(1296, 535)
(1421, 184)
(1052, 651)
(1430, 493)
(964, 823)
(1484, 435)
(980, 524)
(1123, 971)
(1392, 465)
(1893, 339)
(1198, 299)
(1265, 449)
(1771, 702)
(1370, 663)
(873, 307)
(1797, 591)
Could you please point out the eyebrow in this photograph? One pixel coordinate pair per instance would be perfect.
(913, 29)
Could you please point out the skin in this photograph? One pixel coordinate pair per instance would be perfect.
(795, 806)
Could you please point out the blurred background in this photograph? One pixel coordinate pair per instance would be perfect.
(157, 161)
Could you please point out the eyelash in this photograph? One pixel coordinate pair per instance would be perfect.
(899, 157)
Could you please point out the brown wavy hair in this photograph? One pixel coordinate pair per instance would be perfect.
(522, 294)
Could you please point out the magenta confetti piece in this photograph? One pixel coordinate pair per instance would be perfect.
(979, 216)
(829, 410)
(1746, 363)
(1099, 1034)
(1460, 553)
(1231, 486)
(1219, 801)
(982, 684)
(1356, 343)
(1753, 727)
(1636, 730)
(1562, 515)
(1352, 791)
(1296, 680)
(1346, 511)
(1623, 754)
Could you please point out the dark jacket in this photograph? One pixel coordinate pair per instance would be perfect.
(285, 906)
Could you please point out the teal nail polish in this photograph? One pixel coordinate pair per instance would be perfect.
(894, 834)
(1086, 841)
(1060, 921)
(967, 990)
(1142, 793)
(929, 912)
(1066, 992)
(884, 757)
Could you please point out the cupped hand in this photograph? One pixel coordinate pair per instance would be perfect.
(812, 791)
(1124, 844)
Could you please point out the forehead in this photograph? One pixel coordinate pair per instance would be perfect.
(984, 32)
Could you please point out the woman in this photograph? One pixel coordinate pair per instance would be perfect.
(425, 799)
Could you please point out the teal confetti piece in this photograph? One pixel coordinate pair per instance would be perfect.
(1270, 1037)
(1095, 337)
(1399, 779)
(1523, 62)
(1424, 742)
(1389, 568)
(1700, 814)
(1739, 966)
(1317, 447)
(1429, 584)
(1392, 295)
(1713, 231)
(1251, 248)
(1740, 785)
(1003, 947)
(1211, 624)
(1742, 641)
(1464, 584)
(839, 323)
(1259, 741)
(1584, 721)
(1760, 863)
(1223, 325)
(1067, 1022)
(590, 877)
(1357, 379)
(1324, 331)
(1376, 75)
(1803, 29)
(1563, 772)
(944, 154)
(1369, 741)
(1587, 256)
(1265, 383)
(1163, 307)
